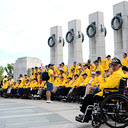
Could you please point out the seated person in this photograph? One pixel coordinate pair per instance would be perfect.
(111, 83)
(86, 70)
(91, 84)
(4, 87)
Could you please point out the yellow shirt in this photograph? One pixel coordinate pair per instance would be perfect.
(55, 69)
(55, 83)
(85, 81)
(87, 71)
(4, 80)
(99, 68)
(99, 80)
(69, 84)
(113, 82)
(125, 62)
(103, 63)
(76, 69)
(62, 83)
(34, 85)
(92, 68)
(76, 82)
(51, 79)
(107, 64)
(32, 74)
(24, 80)
(5, 86)
(21, 85)
(126, 75)
(15, 86)
(40, 85)
(65, 68)
(38, 78)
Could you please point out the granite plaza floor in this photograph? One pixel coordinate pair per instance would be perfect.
(18, 113)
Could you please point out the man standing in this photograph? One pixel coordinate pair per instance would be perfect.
(49, 83)
(125, 60)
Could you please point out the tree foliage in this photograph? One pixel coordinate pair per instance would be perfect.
(1, 72)
(9, 69)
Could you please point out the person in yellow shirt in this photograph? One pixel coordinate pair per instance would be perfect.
(24, 79)
(66, 88)
(49, 83)
(103, 63)
(108, 63)
(125, 60)
(72, 73)
(74, 66)
(46, 68)
(55, 69)
(86, 70)
(85, 80)
(83, 84)
(80, 73)
(62, 85)
(64, 67)
(26, 89)
(20, 88)
(4, 87)
(37, 70)
(32, 74)
(113, 82)
(5, 79)
(98, 67)
(38, 76)
(91, 84)
(91, 66)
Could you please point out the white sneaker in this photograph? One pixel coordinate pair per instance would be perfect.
(49, 101)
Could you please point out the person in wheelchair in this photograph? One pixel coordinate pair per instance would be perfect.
(90, 99)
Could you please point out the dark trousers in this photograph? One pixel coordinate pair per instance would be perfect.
(90, 99)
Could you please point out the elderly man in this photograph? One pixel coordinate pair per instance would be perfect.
(111, 83)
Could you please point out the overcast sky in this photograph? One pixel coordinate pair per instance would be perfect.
(25, 26)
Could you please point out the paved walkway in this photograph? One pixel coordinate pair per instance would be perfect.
(18, 113)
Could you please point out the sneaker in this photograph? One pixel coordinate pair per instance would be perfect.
(49, 101)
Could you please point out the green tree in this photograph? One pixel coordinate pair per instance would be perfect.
(9, 69)
(1, 72)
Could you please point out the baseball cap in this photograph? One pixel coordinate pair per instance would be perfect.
(50, 65)
(93, 73)
(74, 62)
(98, 72)
(116, 61)
(62, 63)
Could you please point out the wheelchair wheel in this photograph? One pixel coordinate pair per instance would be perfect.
(114, 111)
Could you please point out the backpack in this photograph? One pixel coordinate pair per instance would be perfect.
(45, 76)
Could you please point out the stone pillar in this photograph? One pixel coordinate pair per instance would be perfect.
(56, 52)
(97, 43)
(75, 47)
(22, 65)
(121, 36)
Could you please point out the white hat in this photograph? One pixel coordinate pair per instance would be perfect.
(61, 69)
(79, 67)
(93, 73)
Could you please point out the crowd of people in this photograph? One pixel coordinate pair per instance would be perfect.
(74, 84)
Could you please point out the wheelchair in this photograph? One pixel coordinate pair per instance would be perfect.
(113, 110)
